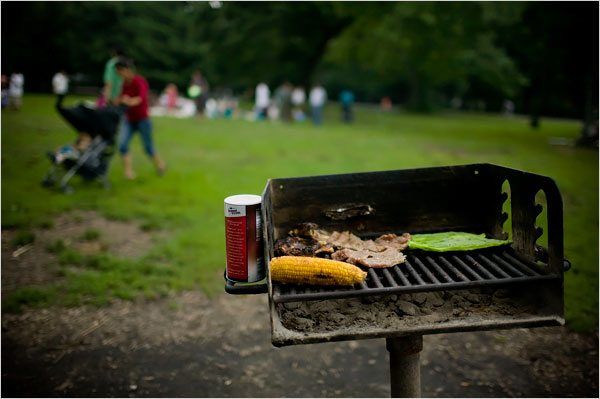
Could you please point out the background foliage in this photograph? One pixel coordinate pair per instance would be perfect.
(543, 56)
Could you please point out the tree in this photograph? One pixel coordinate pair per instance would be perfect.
(434, 48)
(542, 56)
(271, 42)
(236, 45)
(557, 47)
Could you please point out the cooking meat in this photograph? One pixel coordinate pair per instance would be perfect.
(386, 258)
(295, 246)
(324, 250)
(394, 241)
(300, 246)
(304, 230)
(310, 230)
(336, 239)
(308, 240)
(348, 240)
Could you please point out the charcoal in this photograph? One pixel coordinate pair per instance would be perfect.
(407, 307)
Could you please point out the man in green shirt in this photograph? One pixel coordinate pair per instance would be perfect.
(112, 81)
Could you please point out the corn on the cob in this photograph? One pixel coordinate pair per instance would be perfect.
(314, 271)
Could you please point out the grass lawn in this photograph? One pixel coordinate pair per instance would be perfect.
(209, 160)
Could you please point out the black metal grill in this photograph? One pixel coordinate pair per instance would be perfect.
(468, 198)
(428, 271)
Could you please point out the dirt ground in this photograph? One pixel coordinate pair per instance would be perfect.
(190, 345)
(33, 264)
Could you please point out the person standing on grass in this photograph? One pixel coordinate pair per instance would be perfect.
(283, 99)
(262, 99)
(198, 91)
(347, 101)
(15, 90)
(112, 80)
(317, 98)
(298, 100)
(60, 83)
(134, 94)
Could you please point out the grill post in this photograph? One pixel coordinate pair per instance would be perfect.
(405, 369)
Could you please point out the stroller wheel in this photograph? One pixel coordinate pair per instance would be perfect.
(66, 189)
(48, 181)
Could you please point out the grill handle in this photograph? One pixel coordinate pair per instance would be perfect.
(524, 186)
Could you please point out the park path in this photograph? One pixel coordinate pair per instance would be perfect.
(190, 345)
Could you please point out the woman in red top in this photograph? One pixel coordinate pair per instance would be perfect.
(134, 94)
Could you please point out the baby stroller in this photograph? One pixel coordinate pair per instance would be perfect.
(91, 163)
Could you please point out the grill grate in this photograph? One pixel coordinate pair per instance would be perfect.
(428, 271)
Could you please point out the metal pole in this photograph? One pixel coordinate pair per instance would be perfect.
(405, 372)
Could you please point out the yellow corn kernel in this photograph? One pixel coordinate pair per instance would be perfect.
(314, 271)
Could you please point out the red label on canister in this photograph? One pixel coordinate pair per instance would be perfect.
(243, 238)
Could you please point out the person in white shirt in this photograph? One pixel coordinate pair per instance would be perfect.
(298, 100)
(15, 90)
(317, 99)
(60, 83)
(262, 100)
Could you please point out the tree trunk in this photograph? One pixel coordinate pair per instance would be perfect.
(320, 48)
(589, 132)
(534, 108)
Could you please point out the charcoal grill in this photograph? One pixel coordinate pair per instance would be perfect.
(465, 198)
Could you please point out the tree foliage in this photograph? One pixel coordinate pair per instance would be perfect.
(421, 54)
(431, 48)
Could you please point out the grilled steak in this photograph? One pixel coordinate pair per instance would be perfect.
(394, 241)
(336, 239)
(349, 240)
(324, 250)
(306, 239)
(300, 246)
(386, 258)
(295, 246)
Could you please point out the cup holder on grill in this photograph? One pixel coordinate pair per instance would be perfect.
(238, 288)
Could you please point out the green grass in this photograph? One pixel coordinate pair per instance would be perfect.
(209, 160)
(30, 296)
(56, 247)
(23, 238)
(91, 235)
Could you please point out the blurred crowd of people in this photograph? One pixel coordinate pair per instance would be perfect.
(289, 103)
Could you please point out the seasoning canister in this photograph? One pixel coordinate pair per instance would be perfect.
(243, 238)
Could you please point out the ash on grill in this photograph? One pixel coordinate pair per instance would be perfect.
(397, 311)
